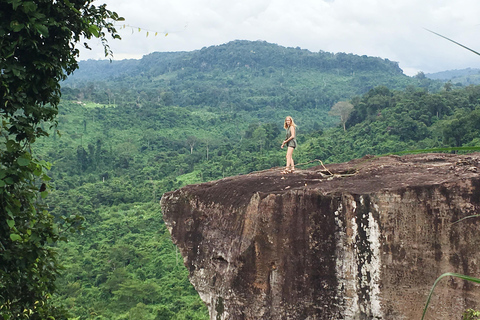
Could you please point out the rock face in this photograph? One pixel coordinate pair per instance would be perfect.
(360, 240)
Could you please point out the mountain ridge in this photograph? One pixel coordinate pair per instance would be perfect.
(460, 77)
(240, 76)
(241, 53)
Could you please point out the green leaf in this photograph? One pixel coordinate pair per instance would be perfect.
(9, 212)
(469, 217)
(29, 6)
(448, 274)
(2, 183)
(12, 145)
(16, 4)
(16, 27)
(459, 44)
(15, 237)
(43, 30)
(11, 223)
(8, 180)
(94, 30)
(23, 162)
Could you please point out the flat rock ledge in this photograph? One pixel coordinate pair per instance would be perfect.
(364, 239)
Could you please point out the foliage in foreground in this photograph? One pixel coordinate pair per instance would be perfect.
(37, 51)
(468, 314)
(471, 314)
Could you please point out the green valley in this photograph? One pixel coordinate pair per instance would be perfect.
(129, 131)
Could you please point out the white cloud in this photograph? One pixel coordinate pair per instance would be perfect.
(389, 29)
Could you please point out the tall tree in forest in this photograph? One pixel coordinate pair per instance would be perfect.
(38, 49)
(342, 109)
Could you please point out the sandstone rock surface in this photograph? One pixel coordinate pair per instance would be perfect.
(359, 240)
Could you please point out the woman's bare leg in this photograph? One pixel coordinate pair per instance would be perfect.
(290, 163)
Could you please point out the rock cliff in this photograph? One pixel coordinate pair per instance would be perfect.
(359, 240)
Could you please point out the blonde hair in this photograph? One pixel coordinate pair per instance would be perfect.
(292, 124)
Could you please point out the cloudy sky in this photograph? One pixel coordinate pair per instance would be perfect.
(390, 29)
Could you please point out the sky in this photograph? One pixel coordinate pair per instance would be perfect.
(389, 29)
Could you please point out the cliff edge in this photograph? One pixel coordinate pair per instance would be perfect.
(359, 240)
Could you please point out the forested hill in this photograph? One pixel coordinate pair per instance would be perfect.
(239, 78)
(232, 56)
(464, 77)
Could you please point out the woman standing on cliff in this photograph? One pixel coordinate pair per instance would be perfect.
(291, 143)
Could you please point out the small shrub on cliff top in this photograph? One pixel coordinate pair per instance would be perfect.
(471, 314)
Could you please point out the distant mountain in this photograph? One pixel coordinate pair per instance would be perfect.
(253, 77)
(232, 56)
(463, 76)
(94, 70)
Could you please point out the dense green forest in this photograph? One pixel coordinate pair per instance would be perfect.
(131, 130)
(253, 80)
